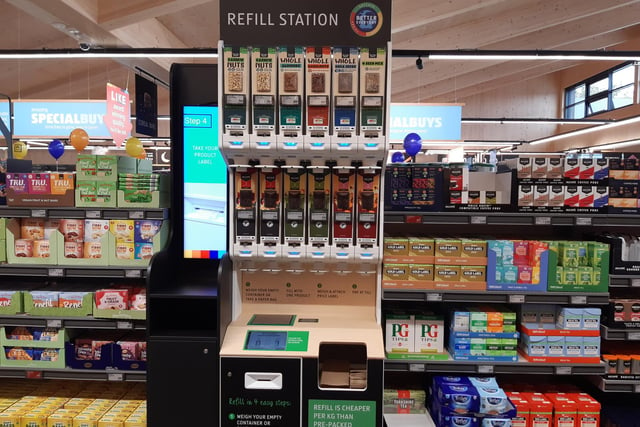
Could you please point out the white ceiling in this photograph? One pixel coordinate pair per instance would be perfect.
(416, 24)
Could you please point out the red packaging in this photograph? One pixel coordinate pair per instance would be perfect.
(535, 252)
(129, 350)
(525, 274)
(84, 349)
(112, 299)
(588, 410)
(17, 182)
(523, 417)
(38, 183)
(520, 252)
(541, 410)
(565, 410)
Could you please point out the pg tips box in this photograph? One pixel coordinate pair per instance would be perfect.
(400, 333)
(429, 334)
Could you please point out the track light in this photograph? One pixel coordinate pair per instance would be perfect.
(419, 64)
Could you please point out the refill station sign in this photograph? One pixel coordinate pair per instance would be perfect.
(304, 347)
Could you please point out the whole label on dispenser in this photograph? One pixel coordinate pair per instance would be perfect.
(353, 413)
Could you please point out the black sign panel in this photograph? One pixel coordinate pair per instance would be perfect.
(305, 23)
(146, 107)
(263, 391)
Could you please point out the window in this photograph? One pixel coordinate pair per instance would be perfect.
(604, 92)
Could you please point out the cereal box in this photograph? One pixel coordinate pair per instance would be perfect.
(94, 229)
(107, 166)
(71, 299)
(125, 250)
(112, 299)
(41, 249)
(123, 230)
(92, 250)
(143, 250)
(86, 166)
(17, 182)
(23, 248)
(87, 191)
(32, 229)
(72, 229)
(45, 299)
(73, 249)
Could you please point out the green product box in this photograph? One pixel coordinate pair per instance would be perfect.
(130, 165)
(585, 276)
(559, 273)
(583, 252)
(106, 168)
(494, 347)
(3, 228)
(509, 346)
(478, 321)
(86, 191)
(86, 167)
(3, 250)
(478, 347)
(596, 251)
(569, 276)
(11, 302)
(509, 321)
(569, 256)
(105, 191)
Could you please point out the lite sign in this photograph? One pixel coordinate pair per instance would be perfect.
(56, 119)
(433, 122)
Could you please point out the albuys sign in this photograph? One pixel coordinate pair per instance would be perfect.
(433, 122)
(305, 23)
(56, 119)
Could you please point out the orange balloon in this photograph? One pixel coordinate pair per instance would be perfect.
(79, 139)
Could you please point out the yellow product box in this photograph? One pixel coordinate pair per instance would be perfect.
(448, 248)
(33, 420)
(446, 273)
(111, 422)
(9, 419)
(421, 246)
(85, 421)
(60, 420)
(395, 272)
(473, 273)
(135, 422)
(396, 246)
(422, 272)
(123, 230)
(474, 248)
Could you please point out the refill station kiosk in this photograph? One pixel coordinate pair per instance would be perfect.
(303, 130)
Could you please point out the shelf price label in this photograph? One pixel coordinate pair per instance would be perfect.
(33, 374)
(636, 388)
(583, 221)
(124, 325)
(133, 274)
(563, 370)
(485, 369)
(54, 323)
(434, 297)
(633, 336)
(578, 299)
(38, 213)
(516, 299)
(55, 272)
(417, 367)
(136, 215)
(543, 220)
(635, 283)
(115, 376)
(478, 219)
(93, 214)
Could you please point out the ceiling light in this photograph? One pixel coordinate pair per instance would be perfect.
(615, 145)
(606, 126)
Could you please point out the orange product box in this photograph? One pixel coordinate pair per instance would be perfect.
(61, 182)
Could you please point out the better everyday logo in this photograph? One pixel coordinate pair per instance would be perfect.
(366, 19)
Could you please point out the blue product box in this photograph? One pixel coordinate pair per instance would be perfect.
(496, 422)
(493, 400)
(484, 382)
(591, 318)
(459, 397)
(460, 421)
(569, 318)
(591, 346)
(145, 230)
(555, 346)
(535, 345)
(573, 346)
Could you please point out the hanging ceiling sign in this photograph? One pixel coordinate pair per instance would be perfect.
(146, 107)
(304, 23)
(118, 116)
(433, 122)
(56, 119)
(4, 112)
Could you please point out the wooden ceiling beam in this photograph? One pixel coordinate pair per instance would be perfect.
(117, 14)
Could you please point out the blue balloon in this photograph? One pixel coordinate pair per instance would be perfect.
(397, 157)
(412, 144)
(56, 149)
